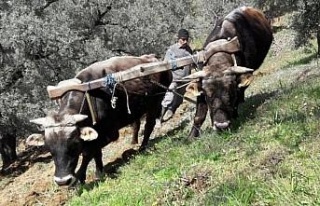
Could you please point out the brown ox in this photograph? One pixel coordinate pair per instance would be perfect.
(70, 132)
(222, 86)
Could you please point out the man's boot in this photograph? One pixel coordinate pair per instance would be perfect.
(163, 111)
(167, 115)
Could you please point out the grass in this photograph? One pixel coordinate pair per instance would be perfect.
(269, 157)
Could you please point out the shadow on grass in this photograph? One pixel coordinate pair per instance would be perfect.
(112, 168)
(304, 60)
(248, 109)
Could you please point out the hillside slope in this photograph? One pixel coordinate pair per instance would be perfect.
(270, 157)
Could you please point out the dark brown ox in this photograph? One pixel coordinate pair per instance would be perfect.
(222, 83)
(70, 132)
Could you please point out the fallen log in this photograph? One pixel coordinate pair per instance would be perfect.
(141, 70)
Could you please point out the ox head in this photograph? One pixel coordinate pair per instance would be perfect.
(64, 139)
(222, 91)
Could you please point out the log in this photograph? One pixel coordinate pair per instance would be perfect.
(141, 70)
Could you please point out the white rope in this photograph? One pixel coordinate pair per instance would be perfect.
(114, 99)
(195, 61)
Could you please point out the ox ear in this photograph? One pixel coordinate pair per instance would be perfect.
(35, 140)
(39, 121)
(194, 88)
(245, 80)
(79, 117)
(88, 134)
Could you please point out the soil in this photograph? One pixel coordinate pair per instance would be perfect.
(29, 181)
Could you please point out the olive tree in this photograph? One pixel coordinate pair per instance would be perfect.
(45, 41)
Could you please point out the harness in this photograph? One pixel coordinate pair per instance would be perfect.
(60, 125)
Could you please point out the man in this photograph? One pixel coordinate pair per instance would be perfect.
(172, 100)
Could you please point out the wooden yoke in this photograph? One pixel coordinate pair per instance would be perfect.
(141, 70)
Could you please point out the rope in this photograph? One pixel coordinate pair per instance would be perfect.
(82, 103)
(91, 109)
(114, 99)
(166, 88)
(183, 85)
(109, 81)
(195, 61)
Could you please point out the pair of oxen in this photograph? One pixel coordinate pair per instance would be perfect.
(69, 132)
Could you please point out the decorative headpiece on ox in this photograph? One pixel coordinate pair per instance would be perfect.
(222, 82)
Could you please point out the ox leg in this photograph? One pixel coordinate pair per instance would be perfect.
(99, 165)
(148, 128)
(151, 117)
(86, 158)
(135, 128)
(240, 99)
(82, 172)
(200, 116)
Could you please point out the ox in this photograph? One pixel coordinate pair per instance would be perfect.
(70, 132)
(222, 84)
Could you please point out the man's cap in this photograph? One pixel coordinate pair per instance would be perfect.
(183, 33)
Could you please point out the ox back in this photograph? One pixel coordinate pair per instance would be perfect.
(254, 34)
(223, 91)
(123, 104)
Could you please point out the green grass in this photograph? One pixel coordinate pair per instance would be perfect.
(269, 157)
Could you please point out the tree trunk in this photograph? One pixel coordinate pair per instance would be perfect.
(7, 149)
(318, 41)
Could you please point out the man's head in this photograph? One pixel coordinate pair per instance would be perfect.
(183, 36)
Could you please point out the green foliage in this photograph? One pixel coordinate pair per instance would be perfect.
(305, 20)
(43, 42)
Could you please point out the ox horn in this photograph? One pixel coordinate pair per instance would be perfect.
(237, 70)
(196, 75)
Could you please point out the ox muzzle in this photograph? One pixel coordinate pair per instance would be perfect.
(68, 180)
(220, 126)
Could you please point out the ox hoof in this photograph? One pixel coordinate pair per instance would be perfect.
(142, 148)
(99, 175)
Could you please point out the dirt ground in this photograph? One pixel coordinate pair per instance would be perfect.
(30, 179)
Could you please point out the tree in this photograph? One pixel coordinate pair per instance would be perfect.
(45, 41)
(306, 15)
(307, 23)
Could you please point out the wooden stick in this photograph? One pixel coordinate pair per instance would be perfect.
(142, 70)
